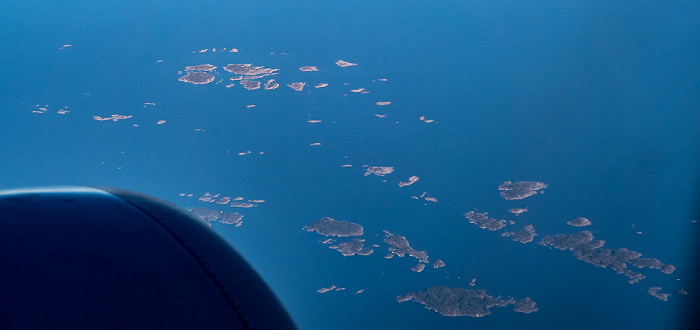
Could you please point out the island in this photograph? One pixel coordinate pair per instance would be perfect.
(344, 64)
(379, 170)
(418, 268)
(523, 236)
(197, 78)
(242, 205)
(399, 246)
(455, 301)
(579, 222)
(332, 288)
(330, 227)
(656, 292)
(438, 263)
(114, 117)
(231, 218)
(431, 199)
(249, 70)
(201, 67)
(411, 180)
(208, 216)
(484, 222)
(517, 211)
(223, 200)
(271, 84)
(351, 248)
(40, 109)
(526, 306)
(297, 86)
(209, 197)
(308, 68)
(520, 189)
(580, 241)
(587, 249)
(250, 85)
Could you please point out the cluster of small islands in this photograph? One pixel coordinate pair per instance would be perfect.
(248, 76)
(209, 216)
(582, 244)
(455, 301)
(345, 237)
(448, 301)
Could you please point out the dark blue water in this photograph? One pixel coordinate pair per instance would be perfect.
(598, 100)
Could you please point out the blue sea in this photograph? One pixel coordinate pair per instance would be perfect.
(597, 99)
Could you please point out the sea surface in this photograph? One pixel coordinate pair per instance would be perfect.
(598, 100)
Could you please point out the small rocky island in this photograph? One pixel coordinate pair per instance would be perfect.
(330, 227)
